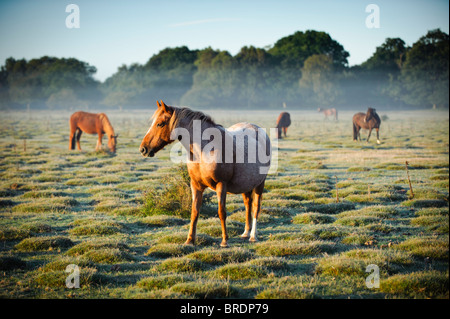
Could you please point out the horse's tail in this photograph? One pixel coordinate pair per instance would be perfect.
(355, 131)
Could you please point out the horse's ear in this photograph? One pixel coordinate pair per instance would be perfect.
(157, 103)
(165, 107)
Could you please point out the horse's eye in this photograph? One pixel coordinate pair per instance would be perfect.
(161, 124)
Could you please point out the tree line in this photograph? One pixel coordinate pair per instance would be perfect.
(303, 70)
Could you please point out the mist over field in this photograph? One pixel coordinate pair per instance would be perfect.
(302, 71)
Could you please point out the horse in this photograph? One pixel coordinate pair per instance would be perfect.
(367, 121)
(225, 172)
(283, 122)
(91, 123)
(329, 112)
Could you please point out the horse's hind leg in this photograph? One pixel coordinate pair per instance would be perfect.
(378, 136)
(285, 131)
(256, 208)
(221, 191)
(197, 195)
(248, 213)
(72, 139)
(78, 136)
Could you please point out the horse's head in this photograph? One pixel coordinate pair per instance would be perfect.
(158, 134)
(112, 142)
(370, 113)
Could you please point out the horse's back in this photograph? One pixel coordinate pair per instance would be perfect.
(87, 122)
(248, 174)
(284, 119)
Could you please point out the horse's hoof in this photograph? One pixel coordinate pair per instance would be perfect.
(378, 142)
(253, 239)
(189, 243)
(245, 236)
(224, 245)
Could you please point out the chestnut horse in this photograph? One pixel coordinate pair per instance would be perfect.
(91, 123)
(283, 122)
(221, 168)
(367, 121)
(329, 112)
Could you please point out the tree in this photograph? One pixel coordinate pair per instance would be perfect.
(319, 80)
(425, 72)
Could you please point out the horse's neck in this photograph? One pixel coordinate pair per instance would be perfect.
(196, 144)
(107, 128)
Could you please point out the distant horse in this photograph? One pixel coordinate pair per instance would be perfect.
(368, 121)
(91, 123)
(283, 122)
(329, 112)
(211, 167)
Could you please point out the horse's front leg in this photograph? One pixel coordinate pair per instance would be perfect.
(221, 191)
(197, 196)
(368, 136)
(99, 142)
(378, 136)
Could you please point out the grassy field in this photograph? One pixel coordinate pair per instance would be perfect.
(332, 208)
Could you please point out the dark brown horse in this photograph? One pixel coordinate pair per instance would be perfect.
(91, 123)
(283, 122)
(329, 112)
(217, 168)
(367, 121)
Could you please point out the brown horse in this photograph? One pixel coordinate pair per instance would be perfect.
(329, 112)
(222, 168)
(283, 122)
(91, 123)
(368, 121)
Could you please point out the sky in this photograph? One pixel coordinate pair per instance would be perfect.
(112, 33)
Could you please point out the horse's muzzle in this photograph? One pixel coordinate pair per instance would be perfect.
(146, 152)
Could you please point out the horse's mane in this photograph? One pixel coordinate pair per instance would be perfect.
(106, 123)
(189, 115)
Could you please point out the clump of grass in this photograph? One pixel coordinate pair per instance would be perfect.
(425, 203)
(92, 245)
(221, 256)
(312, 218)
(161, 282)
(37, 227)
(61, 263)
(206, 289)
(182, 264)
(57, 279)
(424, 284)
(169, 250)
(240, 271)
(88, 227)
(340, 266)
(356, 221)
(358, 169)
(357, 239)
(433, 223)
(14, 233)
(173, 199)
(179, 238)
(44, 243)
(107, 256)
(435, 248)
(332, 208)
(293, 247)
